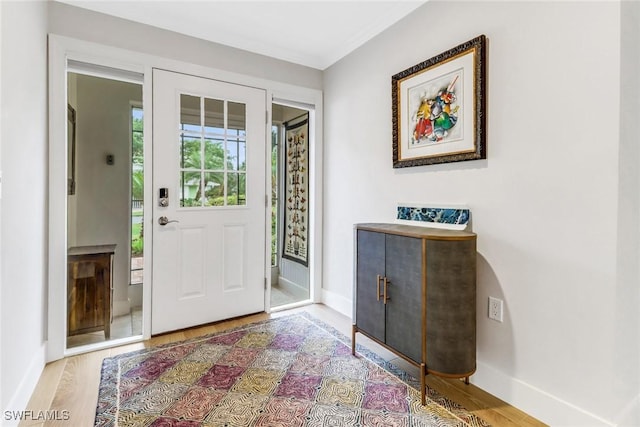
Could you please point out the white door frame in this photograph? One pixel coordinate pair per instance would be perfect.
(61, 49)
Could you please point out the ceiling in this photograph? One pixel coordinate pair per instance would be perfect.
(311, 33)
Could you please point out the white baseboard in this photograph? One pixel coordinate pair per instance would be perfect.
(120, 308)
(539, 404)
(535, 402)
(338, 303)
(135, 295)
(18, 402)
(293, 288)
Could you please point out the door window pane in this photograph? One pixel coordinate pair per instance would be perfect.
(232, 154)
(213, 152)
(214, 116)
(242, 189)
(214, 188)
(190, 114)
(189, 152)
(242, 155)
(238, 117)
(236, 194)
(190, 189)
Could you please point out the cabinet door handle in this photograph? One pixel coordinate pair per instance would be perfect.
(378, 277)
(385, 298)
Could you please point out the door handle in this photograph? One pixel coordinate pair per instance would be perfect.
(163, 220)
(386, 282)
(378, 294)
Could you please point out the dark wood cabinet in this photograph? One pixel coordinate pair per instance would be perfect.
(89, 289)
(415, 294)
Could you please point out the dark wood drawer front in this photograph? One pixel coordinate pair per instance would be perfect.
(89, 289)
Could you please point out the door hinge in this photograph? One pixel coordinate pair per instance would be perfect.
(266, 200)
(265, 283)
(266, 117)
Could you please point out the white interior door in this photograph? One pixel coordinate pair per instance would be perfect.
(209, 209)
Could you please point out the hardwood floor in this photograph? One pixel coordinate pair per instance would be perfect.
(70, 386)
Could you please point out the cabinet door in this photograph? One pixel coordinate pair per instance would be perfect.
(404, 308)
(451, 306)
(370, 264)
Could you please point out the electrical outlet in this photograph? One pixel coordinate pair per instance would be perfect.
(495, 309)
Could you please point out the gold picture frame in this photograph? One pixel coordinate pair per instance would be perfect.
(439, 108)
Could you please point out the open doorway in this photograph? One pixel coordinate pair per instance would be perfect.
(290, 170)
(104, 207)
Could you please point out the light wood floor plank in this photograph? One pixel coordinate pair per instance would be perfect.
(47, 387)
(72, 384)
(77, 391)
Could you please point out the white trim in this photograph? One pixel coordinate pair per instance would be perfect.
(22, 395)
(339, 303)
(102, 71)
(294, 104)
(62, 48)
(57, 192)
(1, 352)
(147, 214)
(544, 406)
(267, 206)
(74, 351)
(298, 291)
(291, 306)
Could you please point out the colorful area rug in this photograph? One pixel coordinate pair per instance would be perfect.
(289, 371)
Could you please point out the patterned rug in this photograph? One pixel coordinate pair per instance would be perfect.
(289, 371)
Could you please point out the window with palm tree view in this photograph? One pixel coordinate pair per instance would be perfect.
(212, 152)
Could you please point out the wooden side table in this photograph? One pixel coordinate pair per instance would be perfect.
(89, 289)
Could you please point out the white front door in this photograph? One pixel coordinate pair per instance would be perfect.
(209, 185)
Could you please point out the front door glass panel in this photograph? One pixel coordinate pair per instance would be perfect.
(212, 152)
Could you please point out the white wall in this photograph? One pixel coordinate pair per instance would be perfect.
(24, 172)
(545, 204)
(102, 196)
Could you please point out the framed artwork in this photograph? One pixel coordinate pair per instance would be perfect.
(439, 108)
(296, 190)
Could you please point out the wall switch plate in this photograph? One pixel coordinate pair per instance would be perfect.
(495, 309)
